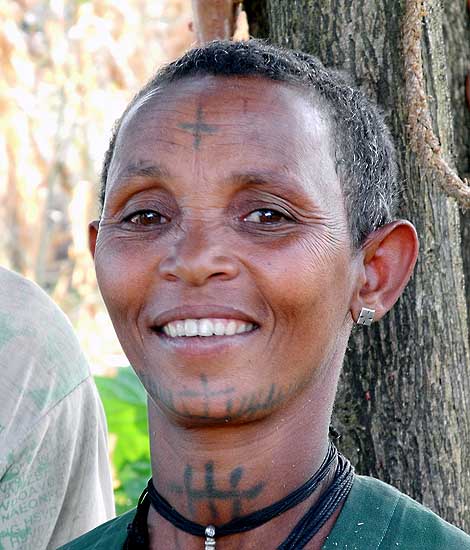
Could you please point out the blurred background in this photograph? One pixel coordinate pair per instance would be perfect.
(67, 70)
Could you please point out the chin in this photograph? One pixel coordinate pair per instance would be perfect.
(205, 403)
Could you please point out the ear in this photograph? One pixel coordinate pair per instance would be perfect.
(93, 235)
(389, 256)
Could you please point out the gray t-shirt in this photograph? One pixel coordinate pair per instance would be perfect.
(55, 481)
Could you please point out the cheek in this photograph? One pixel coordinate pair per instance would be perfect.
(309, 295)
(121, 274)
(306, 286)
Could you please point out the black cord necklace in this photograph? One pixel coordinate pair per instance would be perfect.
(303, 532)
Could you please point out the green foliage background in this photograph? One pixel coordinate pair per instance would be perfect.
(125, 404)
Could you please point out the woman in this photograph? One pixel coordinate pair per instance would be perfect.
(247, 223)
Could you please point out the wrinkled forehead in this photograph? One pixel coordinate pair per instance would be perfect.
(254, 92)
(241, 97)
(226, 115)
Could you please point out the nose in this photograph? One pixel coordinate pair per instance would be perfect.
(198, 254)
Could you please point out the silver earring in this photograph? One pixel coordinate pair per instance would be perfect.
(366, 317)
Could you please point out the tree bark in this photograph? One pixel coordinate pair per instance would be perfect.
(403, 404)
(457, 43)
(219, 20)
(213, 20)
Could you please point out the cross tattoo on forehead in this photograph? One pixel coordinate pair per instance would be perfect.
(198, 128)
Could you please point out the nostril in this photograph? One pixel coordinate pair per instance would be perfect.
(219, 274)
(196, 269)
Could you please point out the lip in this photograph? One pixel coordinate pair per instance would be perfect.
(207, 348)
(201, 312)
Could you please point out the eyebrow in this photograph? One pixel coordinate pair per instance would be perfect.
(249, 177)
(143, 170)
(273, 179)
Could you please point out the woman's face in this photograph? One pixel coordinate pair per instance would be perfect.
(224, 214)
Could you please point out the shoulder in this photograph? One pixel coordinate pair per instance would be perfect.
(378, 516)
(16, 290)
(35, 331)
(111, 534)
(41, 361)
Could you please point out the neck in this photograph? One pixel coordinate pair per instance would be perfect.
(212, 474)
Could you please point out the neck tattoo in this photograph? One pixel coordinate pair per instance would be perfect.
(212, 494)
(310, 523)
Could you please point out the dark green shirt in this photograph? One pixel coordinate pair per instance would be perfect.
(375, 516)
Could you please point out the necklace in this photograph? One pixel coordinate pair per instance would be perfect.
(301, 534)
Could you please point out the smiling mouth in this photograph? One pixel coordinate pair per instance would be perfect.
(184, 328)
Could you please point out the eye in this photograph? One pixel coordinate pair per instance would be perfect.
(146, 217)
(266, 216)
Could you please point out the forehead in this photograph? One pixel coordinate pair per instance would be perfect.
(225, 120)
(254, 92)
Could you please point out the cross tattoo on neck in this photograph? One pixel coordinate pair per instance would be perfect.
(211, 494)
(198, 128)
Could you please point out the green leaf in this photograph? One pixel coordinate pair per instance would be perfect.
(125, 404)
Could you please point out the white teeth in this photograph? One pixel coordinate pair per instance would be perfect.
(231, 328)
(219, 328)
(180, 328)
(190, 327)
(206, 327)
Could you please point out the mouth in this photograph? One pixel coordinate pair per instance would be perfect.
(205, 327)
(203, 321)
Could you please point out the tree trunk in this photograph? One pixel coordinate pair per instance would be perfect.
(457, 43)
(213, 20)
(403, 403)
